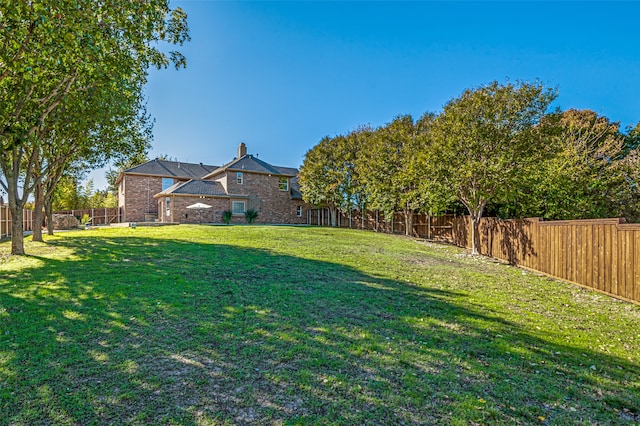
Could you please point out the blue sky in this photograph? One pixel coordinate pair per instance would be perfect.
(281, 75)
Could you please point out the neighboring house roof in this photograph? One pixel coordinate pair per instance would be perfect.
(195, 187)
(249, 163)
(170, 169)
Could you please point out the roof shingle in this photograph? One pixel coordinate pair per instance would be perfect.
(196, 187)
(175, 169)
(249, 163)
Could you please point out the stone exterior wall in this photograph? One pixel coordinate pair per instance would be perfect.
(135, 194)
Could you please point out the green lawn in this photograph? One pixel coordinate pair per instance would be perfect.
(295, 325)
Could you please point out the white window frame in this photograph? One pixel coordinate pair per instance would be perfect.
(237, 203)
(167, 205)
(299, 211)
(239, 178)
(286, 182)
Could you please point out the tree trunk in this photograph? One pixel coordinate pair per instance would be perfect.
(37, 213)
(333, 212)
(408, 218)
(17, 230)
(475, 238)
(475, 211)
(48, 211)
(16, 205)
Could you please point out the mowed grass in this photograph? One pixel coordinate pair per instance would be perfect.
(294, 325)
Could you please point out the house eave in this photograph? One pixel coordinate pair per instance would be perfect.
(170, 194)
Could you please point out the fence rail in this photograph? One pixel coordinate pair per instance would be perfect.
(101, 216)
(602, 254)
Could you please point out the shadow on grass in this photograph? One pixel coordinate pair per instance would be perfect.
(157, 331)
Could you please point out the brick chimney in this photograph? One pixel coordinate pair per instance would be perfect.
(242, 150)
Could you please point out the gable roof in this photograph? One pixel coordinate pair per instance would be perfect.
(195, 187)
(170, 169)
(249, 163)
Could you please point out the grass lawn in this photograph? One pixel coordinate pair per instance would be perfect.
(294, 325)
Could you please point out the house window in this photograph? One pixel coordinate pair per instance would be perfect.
(237, 207)
(283, 184)
(299, 211)
(167, 204)
(239, 178)
(166, 183)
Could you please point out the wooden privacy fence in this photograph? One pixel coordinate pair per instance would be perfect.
(101, 216)
(5, 221)
(425, 226)
(603, 254)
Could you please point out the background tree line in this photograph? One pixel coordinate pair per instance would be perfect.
(497, 150)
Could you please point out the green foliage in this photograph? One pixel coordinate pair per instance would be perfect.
(632, 139)
(71, 77)
(161, 325)
(390, 171)
(485, 139)
(69, 195)
(226, 216)
(250, 215)
(493, 149)
(589, 174)
(85, 219)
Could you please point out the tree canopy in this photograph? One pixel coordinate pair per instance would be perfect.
(484, 139)
(497, 147)
(71, 77)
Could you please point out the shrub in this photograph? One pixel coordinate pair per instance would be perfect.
(226, 216)
(85, 219)
(251, 215)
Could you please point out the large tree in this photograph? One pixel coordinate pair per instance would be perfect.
(327, 175)
(108, 122)
(484, 139)
(50, 51)
(389, 170)
(585, 178)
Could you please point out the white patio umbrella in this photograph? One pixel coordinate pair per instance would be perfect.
(199, 206)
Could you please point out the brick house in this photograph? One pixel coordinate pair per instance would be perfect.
(168, 191)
